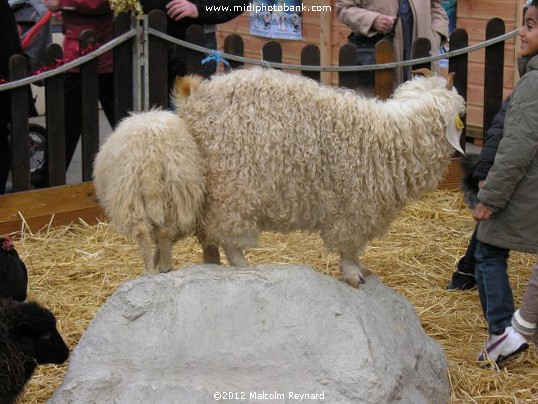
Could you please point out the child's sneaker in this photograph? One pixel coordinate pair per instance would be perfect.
(501, 348)
(522, 326)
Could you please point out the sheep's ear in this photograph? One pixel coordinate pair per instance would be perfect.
(453, 131)
(425, 72)
(185, 86)
(450, 80)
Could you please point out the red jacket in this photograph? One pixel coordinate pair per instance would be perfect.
(80, 15)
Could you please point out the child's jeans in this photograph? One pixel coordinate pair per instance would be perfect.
(493, 286)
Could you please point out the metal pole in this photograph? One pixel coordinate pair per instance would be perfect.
(145, 65)
(137, 77)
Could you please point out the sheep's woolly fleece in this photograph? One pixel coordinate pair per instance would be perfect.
(149, 177)
(285, 153)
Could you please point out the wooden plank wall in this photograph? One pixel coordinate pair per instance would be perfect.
(472, 15)
(320, 28)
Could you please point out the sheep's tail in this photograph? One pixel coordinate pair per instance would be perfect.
(184, 87)
(152, 190)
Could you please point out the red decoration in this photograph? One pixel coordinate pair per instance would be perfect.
(60, 62)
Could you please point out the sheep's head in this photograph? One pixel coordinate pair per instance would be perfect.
(37, 326)
(440, 92)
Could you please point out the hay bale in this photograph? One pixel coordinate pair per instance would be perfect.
(73, 269)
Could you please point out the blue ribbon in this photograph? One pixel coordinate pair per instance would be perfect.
(217, 57)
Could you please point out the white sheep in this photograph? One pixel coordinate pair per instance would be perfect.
(284, 153)
(149, 177)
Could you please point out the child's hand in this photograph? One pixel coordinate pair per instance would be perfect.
(482, 212)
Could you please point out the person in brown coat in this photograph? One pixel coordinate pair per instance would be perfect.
(409, 19)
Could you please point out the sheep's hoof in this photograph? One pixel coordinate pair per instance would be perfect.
(364, 273)
(353, 282)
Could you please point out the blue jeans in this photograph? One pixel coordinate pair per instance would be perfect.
(493, 286)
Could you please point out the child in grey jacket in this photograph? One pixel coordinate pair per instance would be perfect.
(508, 201)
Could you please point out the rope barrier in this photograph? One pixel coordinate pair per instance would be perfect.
(392, 65)
(70, 65)
(227, 56)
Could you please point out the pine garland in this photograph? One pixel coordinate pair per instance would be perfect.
(127, 6)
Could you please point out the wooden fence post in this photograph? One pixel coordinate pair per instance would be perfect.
(493, 72)
(458, 64)
(384, 79)
(421, 48)
(123, 69)
(234, 45)
(272, 52)
(20, 141)
(89, 77)
(195, 34)
(311, 56)
(54, 100)
(348, 57)
(157, 61)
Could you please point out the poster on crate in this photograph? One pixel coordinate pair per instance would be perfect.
(276, 18)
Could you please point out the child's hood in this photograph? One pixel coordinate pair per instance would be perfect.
(527, 64)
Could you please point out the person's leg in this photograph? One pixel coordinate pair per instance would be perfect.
(497, 304)
(73, 114)
(177, 67)
(493, 286)
(177, 63)
(211, 66)
(526, 318)
(464, 277)
(529, 305)
(467, 262)
(106, 96)
(4, 157)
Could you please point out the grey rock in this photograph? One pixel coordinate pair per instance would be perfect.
(254, 335)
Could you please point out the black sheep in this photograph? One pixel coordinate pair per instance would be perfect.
(13, 273)
(28, 337)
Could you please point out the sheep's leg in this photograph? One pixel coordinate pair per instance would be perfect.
(353, 272)
(145, 244)
(162, 258)
(235, 256)
(211, 254)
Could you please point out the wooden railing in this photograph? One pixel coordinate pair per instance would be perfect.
(14, 209)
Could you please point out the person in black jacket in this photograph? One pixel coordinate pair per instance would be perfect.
(11, 45)
(463, 278)
(184, 13)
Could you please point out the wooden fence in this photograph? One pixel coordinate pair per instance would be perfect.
(157, 94)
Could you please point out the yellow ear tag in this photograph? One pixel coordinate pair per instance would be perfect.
(459, 123)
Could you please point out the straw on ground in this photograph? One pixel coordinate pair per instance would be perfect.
(74, 269)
